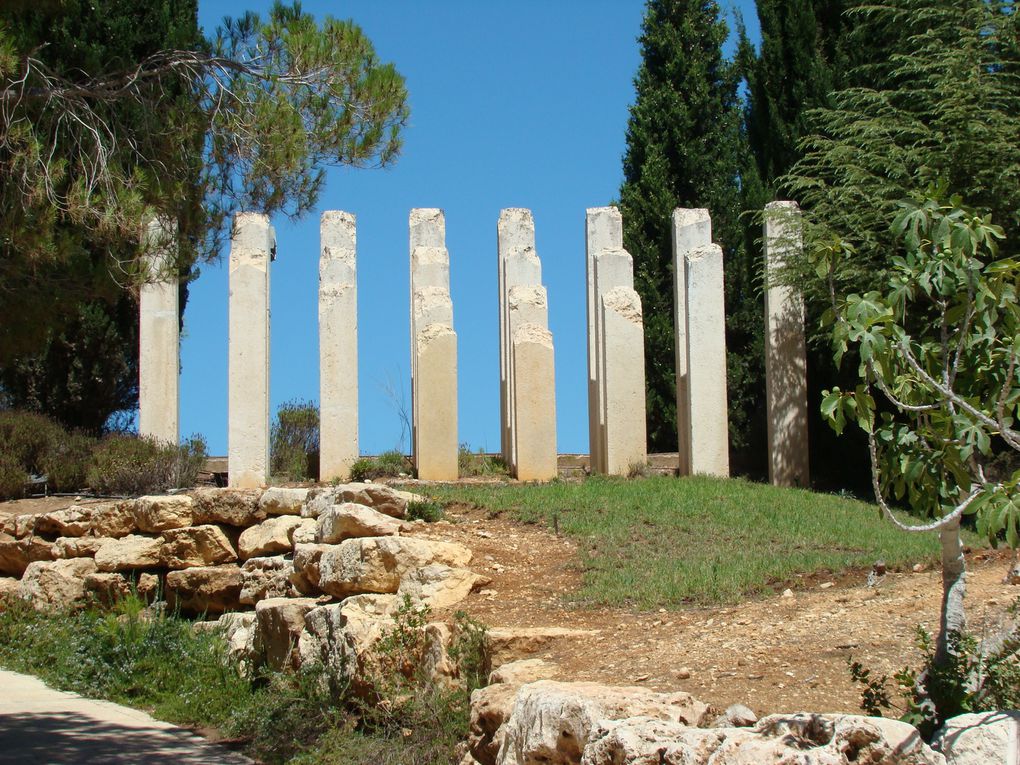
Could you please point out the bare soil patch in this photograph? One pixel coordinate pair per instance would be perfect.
(779, 654)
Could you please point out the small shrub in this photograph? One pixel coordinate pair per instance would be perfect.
(427, 510)
(294, 441)
(134, 465)
(28, 438)
(13, 478)
(468, 651)
(66, 464)
(387, 464)
(471, 464)
(970, 680)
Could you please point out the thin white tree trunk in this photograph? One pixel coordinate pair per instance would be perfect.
(954, 586)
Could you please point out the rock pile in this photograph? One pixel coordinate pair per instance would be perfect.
(323, 569)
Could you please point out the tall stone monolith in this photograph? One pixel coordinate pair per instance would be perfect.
(433, 350)
(338, 346)
(705, 335)
(251, 250)
(603, 230)
(523, 305)
(622, 381)
(691, 228)
(785, 354)
(159, 335)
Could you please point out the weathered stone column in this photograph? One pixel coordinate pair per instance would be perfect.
(433, 350)
(522, 301)
(251, 251)
(603, 229)
(691, 228)
(785, 355)
(622, 381)
(159, 335)
(534, 403)
(708, 434)
(338, 346)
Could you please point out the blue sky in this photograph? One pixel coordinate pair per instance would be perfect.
(513, 104)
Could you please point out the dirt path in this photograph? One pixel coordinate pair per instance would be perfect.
(777, 654)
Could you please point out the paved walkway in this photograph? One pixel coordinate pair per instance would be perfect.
(41, 725)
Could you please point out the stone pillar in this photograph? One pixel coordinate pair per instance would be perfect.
(338, 346)
(523, 303)
(622, 380)
(691, 228)
(785, 355)
(708, 434)
(251, 250)
(433, 350)
(534, 404)
(159, 335)
(603, 229)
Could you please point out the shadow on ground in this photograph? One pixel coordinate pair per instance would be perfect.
(68, 737)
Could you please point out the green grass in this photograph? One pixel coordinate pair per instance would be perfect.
(664, 542)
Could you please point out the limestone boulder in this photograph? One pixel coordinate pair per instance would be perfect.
(269, 537)
(55, 583)
(379, 497)
(280, 623)
(234, 507)
(555, 720)
(349, 520)
(78, 547)
(305, 533)
(306, 562)
(803, 739)
(326, 642)
(106, 588)
(376, 564)
(113, 520)
(278, 500)
(439, 586)
(206, 589)
(130, 552)
(491, 706)
(206, 545)
(271, 577)
(523, 671)
(154, 514)
(8, 588)
(978, 738)
(148, 587)
(16, 554)
(506, 644)
(244, 647)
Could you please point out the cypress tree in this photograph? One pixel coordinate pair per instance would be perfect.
(685, 148)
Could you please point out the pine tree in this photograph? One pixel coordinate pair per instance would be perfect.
(803, 57)
(684, 149)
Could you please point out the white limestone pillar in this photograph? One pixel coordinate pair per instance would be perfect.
(433, 350)
(159, 335)
(691, 228)
(527, 393)
(517, 266)
(708, 437)
(603, 230)
(251, 250)
(785, 354)
(535, 403)
(622, 381)
(338, 346)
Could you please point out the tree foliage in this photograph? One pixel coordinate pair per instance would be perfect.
(939, 396)
(113, 111)
(685, 149)
(940, 107)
